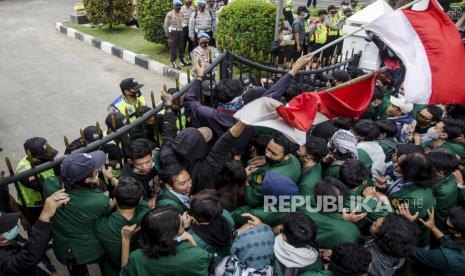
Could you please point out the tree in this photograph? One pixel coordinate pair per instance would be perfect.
(151, 15)
(246, 27)
(110, 12)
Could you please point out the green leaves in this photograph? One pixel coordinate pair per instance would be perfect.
(110, 12)
(151, 15)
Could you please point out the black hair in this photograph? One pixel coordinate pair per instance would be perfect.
(444, 161)
(367, 129)
(206, 206)
(140, 148)
(259, 142)
(418, 169)
(378, 93)
(171, 91)
(456, 111)
(343, 123)
(389, 127)
(355, 73)
(233, 173)
(292, 91)
(369, 113)
(436, 111)
(397, 236)
(452, 128)
(128, 192)
(299, 230)
(407, 149)
(282, 29)
(324, 130)
(350, 259)
(457, 218)
(159, 228)
(227, 90)
(331, 186)
(288, 145)
(168, 174)
(353, 173)
(316, 147)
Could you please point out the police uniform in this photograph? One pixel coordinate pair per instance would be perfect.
(201, 21)
(317, 35)
(121, 103)
(203, 53)
(186, 12)
(174, 32)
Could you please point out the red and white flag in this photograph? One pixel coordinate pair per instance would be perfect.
(430, 47)
(296, 118)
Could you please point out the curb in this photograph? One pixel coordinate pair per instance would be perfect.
(128, 56)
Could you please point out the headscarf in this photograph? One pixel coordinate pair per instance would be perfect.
(293, 257)
(344, 141)
(235, 104)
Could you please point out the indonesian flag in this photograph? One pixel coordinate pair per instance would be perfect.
(430, 47)
(296, 118)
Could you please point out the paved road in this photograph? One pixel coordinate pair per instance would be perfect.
(52, 85)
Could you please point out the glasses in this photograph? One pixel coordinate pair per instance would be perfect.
(423, 117)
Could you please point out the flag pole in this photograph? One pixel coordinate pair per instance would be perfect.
(358, 30)
(363, 77)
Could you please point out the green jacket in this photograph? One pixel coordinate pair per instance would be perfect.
(266, 216)
(447, 259)
(419, 199)
(73, 224)
(333, 169)
(389, 147)
(445, 193)
(365, 159)
(189, 260)
(168, 198)
(108, 232)
(372, 204)
(380, 110)
(289, 168)
(332, 229)
(308, 180)
(454, 148)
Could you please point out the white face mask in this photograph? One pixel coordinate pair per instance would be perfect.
(287, 37)
(433, 133)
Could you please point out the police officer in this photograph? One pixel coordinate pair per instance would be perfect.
(174, 32)
(31, 188)
(318, 32)
(130, 99)
(203, 50)
(186, 11)
(287, 11)
(355, 6)
(334, 26)
(201, 21)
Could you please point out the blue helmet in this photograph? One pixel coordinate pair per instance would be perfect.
(177, 2)
(201, 2)
(202, 35)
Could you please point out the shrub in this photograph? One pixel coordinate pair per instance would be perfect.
(246, 27)
(110, 12)
(151, 15)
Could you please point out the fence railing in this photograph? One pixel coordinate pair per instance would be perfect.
(227, 63)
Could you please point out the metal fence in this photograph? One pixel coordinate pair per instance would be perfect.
(229, 66)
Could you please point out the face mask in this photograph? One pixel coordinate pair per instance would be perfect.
(188, 4)
(12, 234)
(287, 37)
(270, 161)
(177, 8)
(204, 44)
(202, 8)
(432, 133)
(136, 94)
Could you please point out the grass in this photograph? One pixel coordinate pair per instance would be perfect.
(127, 38)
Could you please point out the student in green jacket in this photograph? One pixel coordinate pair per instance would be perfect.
(449, 257)
(279, 159)
(445, 189)
(387, 137)
(177, 185)
(130, 208)
(74, 240)
(343, 146)
(380, 101)
(332, 228)
(166, 249)
(310, 156)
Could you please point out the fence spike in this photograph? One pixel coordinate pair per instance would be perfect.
(113, 121)
(164, 88)
(188, 75)
(270, 58)
(347, 54)
(29, 156)
(99, 129)
(152, 98)
(177, 83)
(222, 44)
(261, 56)
(49, 150)
(139, 108)
(83, 138)
(284, 62)
(352, 54)
(66, 142)
(210, 56)
(8, 165)
(126, 112)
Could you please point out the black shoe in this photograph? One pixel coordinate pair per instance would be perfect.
(184, 63)
(174, 65)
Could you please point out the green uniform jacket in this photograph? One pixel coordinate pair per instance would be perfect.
(289, 168)
(380, 110)
(189, 260)
(332, 229)
(419, 199)
(73, 224)
(445, 193)
(108, 232)
(168, 198)
(266, 216)
(333, 169)
(453, 148)
(308, 180)
(389, 151)
(447, 259)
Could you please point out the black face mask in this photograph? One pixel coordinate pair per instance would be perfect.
(188, 4)
(136, 94)
(202, 8)
(204, 44)
(177, 8)
(270, 161)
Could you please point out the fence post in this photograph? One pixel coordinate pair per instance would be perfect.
(225, 66)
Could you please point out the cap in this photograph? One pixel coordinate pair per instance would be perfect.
(345, 3)
(77, 166)
(321, 12)
(201, 2)
(348, 11)
(177, 3)
(338, 75)
(8, 221)
(302, 9)
(38, 148)
(206, 133)
(130, 83)
(278, 185)
(120, 121)
(91, 134)
(203, 35)
(401, 103)
(331, 7)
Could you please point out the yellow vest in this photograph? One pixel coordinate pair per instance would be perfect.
(319, 36)
(31, 197)
(180, 124)
(335, 21)
(121, 104)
